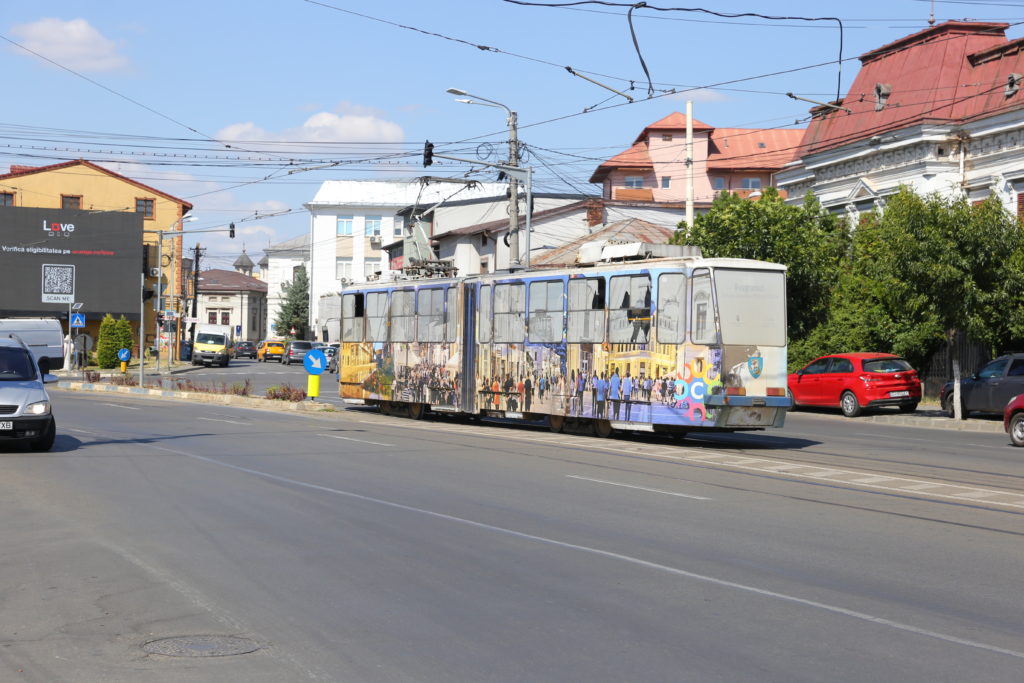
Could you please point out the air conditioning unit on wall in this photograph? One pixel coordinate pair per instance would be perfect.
(375, 240)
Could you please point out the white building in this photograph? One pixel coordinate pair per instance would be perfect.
(351, 220)
(282, 261)
(228, 297)
(940, 110)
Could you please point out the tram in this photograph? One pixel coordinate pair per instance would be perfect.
(679, 344)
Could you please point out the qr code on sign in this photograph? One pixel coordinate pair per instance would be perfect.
(58, 279)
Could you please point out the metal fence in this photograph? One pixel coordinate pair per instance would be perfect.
(939, 368)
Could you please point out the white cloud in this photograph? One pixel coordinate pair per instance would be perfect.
(321, 127)
(74, 44)
(701, 95)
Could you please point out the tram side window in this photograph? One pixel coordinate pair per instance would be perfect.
(483, 323)
(703, 329)
(403, 316)
(377, 316)
(629, 313)
(430, 315)
(671, 308)
(586, 310)
(510, 313)
(451, 314)
(352, 316)
(547, 317)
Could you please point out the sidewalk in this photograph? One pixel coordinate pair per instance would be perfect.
(924, 418)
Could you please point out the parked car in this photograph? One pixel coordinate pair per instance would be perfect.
(989, 389)
(331, 351)
(854, 382)
(245, 349)
(269, 350)
(25, 414)
(295, 351)
(1013, 419)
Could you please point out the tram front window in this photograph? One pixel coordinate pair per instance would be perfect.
(752, 306)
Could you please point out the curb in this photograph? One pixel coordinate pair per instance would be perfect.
(203, 397)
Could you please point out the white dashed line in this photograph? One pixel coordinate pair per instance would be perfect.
(639, 488)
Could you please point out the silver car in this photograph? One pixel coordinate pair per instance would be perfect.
(25, 413)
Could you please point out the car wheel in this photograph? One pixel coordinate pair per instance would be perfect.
(789, 395)
(1017, 429)
(947, 407)
(849, 404)
(908, 407)
(45, 442)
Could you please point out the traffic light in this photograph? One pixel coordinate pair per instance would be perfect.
(428, 153)
(231, 231)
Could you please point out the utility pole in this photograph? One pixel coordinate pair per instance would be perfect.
(689, 163)
(515, 258)
(197, 253)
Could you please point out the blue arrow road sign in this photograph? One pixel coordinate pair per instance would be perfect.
(77, 320)
(124, 355)
(315, 361)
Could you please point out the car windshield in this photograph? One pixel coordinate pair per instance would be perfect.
(15, 365)
(209, 338)
(887, 365)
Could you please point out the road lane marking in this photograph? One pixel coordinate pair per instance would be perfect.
(118, 405)
(674, 571)
(639, 488)
(214, 419)
(348, 438)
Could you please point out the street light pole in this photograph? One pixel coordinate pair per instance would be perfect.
(515, 255)
(158, 303)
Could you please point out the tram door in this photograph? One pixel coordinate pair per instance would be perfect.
(468, 398)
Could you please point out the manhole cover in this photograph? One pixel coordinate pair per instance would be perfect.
(200, 646)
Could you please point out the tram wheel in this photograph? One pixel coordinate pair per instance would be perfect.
(556, 423)
(385, 407)
(602, 428)
(416, 411)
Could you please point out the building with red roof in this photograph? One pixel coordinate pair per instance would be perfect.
(737, 159)
(939, 110)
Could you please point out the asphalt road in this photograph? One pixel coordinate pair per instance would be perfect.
(357, 547)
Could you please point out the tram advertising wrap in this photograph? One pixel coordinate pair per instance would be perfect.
(105, 248)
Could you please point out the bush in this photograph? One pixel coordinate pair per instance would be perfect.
(107, 344)
(286, 393)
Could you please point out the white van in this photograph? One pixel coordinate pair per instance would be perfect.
(43, 336)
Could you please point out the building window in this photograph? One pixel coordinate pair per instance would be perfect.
(634, 181)
(666, 137)
(370, 268)
(69, 201)
(718, 183)
(211, 317)
(372, 226)
(225, 317)
(344, 225)
(6, 199)
(666, 182)
(343, 268)
(751, 184)
(145, 207)
(399, 226)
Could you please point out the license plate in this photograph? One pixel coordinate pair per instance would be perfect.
(6, 425)
(899, 394)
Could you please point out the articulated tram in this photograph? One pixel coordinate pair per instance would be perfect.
(667, 344)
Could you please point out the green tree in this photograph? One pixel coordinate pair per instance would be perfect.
(294, 311)
(107, 343)
(123, 334)
(923, 270)
(807, 239)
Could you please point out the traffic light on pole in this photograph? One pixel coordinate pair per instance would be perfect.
(428, 153)
(231, 231)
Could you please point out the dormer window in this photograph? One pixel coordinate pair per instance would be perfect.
(666, 137)
(1012, 85)
(882, 92)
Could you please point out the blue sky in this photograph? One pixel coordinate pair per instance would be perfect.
(231, 104)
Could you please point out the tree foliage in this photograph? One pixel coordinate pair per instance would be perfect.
(807, 239)
(922, 270)
(294, 311)
(107, 343)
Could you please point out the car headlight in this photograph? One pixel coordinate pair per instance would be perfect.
(40, 408)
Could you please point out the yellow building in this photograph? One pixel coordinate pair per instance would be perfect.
(76, 186)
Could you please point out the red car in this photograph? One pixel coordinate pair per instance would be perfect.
(855, 381)
(1013, 420)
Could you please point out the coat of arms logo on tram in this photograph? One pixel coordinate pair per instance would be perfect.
(755, 364)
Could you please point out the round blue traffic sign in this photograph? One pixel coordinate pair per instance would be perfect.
(124, 355)
(315, 361)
